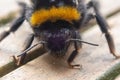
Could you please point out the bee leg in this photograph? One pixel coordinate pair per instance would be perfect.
(19, 60)
(3, 35)
(71, 58)
(16, 24)
(89, 17)
(77, 46)
(93, 3)
(105, 29)
(13, 28)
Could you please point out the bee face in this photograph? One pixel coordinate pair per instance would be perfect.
(56, 35)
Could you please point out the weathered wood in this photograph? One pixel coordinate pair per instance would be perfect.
(94, 60)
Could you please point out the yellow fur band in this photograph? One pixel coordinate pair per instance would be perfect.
(53, 14)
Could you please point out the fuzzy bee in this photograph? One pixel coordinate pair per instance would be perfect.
(57, 24)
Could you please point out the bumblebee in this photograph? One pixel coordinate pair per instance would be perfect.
(57, 23)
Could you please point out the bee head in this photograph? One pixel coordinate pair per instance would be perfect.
(55, 34)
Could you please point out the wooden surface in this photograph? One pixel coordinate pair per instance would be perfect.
(95, 60)
(46, 67)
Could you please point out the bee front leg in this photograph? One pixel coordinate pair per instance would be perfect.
(105, 29)
(77, 46)
(71, 58)
(19, 60)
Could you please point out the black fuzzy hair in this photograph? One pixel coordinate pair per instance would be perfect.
(37, 4)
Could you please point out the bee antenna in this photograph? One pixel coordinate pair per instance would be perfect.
(79, 40)
(40, 42)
